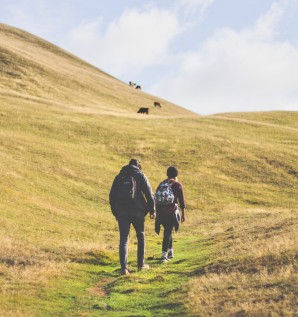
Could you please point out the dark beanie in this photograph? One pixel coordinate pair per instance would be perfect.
(172, 172)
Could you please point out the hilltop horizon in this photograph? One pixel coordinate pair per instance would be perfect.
(42, 70)
(22, 36)
(208, 56)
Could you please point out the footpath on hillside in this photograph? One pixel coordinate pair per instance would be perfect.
(159, 291)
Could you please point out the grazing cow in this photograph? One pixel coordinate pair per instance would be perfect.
(144, 110)
(132, 84)
(138, 87)
(157, 104)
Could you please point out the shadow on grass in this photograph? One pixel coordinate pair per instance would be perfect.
(93, 258)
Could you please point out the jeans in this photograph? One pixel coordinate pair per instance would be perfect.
(137, 219)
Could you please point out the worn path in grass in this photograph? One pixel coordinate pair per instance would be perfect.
(159, 291)
(99, 290)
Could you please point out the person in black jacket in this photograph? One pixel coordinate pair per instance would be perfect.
(132, 210)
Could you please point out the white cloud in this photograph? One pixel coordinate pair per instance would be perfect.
(44, 18)
(266, 27)
(138, 38)
(193, 6)
(247, 70)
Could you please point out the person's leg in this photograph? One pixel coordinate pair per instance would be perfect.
(171, 241)
(124, 227)
(139, 224)
(170, 249)
(167, 238)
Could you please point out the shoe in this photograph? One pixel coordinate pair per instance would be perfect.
(171, 254)
(124, 272)
(164, 259)
(144, 267)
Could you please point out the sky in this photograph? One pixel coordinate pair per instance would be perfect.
(209, 56)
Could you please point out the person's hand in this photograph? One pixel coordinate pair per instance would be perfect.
(182, 218)
(152, 216)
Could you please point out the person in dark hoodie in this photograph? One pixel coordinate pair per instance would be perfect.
(131, 198)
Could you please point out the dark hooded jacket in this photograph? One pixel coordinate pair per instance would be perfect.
(174, 218)
(144, 195)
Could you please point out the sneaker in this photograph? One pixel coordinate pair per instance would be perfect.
(164, 259)
(171, 254)
(124, 272)
(144, 267)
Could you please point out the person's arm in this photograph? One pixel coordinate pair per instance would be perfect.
(147, 190)
(181, 202)
(182, 214)
(113, 196)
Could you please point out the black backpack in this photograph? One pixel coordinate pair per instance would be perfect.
(127, 188)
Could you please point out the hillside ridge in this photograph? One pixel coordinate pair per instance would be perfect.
(37, 68)
(254, 122)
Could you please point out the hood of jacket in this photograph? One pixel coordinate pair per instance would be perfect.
(130, 169)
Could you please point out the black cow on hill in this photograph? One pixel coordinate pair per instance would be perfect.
(144, 110)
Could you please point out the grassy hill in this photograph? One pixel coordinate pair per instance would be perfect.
(66, 128)
(38, 71)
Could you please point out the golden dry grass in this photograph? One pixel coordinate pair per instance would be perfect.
(255, 270)
(66, 130)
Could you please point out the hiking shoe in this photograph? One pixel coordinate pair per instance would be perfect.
(124, 272)
(164, 259)
(171, 254)
(144, 267)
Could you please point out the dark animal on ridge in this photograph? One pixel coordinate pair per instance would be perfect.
(144, 110)
(157, 104)
(138, 87)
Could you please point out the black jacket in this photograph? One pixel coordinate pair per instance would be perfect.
(145, 197)
(174, 218)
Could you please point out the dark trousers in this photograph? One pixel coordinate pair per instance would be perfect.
(137, 219)
(167, 242)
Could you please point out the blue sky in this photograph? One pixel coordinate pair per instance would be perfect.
(209, 56)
